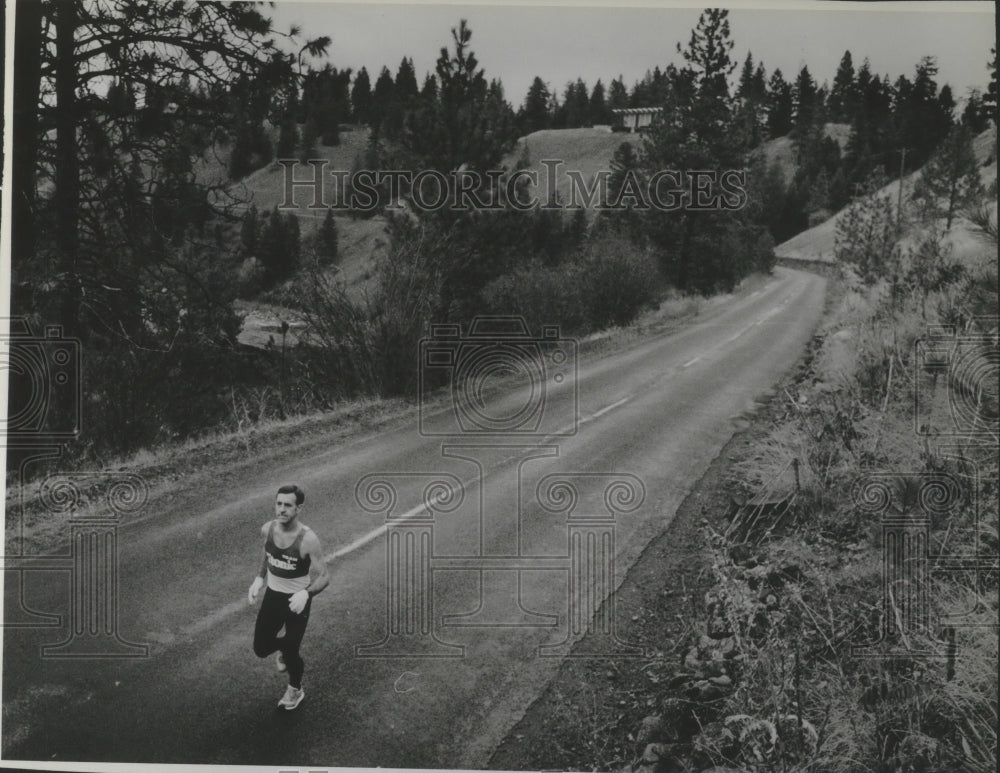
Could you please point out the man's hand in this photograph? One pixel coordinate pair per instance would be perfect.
(255, 586)
(298, 601)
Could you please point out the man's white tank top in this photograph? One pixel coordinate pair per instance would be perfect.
(287, 568)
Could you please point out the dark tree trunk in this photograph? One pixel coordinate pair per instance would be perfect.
(27, 80)
(67, 170)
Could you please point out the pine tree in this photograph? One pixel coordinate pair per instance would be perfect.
(326, 239)
(361, 97)
(406, 80)
(779, 117)
(382, 98)
(975, 115)
(535, 113)
(865, 234)
(330, 105)
(470, 123)
(744, 90)
(600, 113)
(950, 181)
(805, 100)
(707, 53)
(624, 163)
(618, 94)
(429, 91)
(751, 96)
(841, 103)
(278, 247)
(922, 115)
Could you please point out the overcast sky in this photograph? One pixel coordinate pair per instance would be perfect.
(517, 42)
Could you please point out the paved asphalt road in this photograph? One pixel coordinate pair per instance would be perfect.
(656, 412)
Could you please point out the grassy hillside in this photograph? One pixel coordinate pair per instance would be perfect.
(359, 240)
(818, 243)
(781, 151)
(585, 150)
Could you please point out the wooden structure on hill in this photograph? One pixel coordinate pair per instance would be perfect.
(635, 119)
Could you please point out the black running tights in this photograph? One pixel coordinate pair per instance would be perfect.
(273, 614)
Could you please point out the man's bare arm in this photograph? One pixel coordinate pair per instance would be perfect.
(312, 548)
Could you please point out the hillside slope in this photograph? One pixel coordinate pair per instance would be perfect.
(818, 243)
(587, 151)
(360, 241)
(781, 150)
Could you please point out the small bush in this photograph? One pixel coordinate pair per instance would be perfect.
(608, 285)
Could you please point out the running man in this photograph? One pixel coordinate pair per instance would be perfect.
(291, 553)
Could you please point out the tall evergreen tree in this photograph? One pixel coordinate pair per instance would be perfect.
(805, 100)
(278, 247)
(950, 181)
(841, 103)
(535, 113)
(751, 97)
(600, 113)
(575, 107)
(382, 98)
(618, 94)
(975, 114)
(469, 124)
(744, 89)
(327, 239)
(406, 80)
(133, 261)
(361, 97)
(780, 108)
(922, 116)
(698, 250)
(429, 91)
(707, 54)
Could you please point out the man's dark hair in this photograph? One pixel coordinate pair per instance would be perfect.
(291, 488)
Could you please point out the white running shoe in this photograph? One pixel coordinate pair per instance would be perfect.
(292, 698)
(280, 661)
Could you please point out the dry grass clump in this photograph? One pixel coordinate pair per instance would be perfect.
(840, 669)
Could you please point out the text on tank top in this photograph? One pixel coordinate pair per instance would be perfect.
(287, 568)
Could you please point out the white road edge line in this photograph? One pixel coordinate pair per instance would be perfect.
(363, 540)
(374, 534)
(611, 407)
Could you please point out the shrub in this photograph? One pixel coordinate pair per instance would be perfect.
(618, 280)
